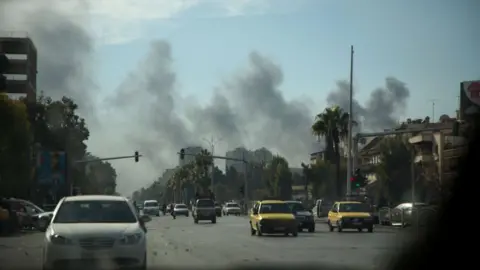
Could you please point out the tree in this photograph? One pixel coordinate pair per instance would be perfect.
(57, 127)
(279, 178)
(393, 173)
(101, 177)
(318, 175)
(203, 162)
(308, 177)
(332, 124)
(15, 148)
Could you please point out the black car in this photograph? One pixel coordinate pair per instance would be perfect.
(204, 209)
(303, 215)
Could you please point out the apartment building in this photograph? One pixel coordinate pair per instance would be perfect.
(21, 73)
(441, 147)
(258, 156)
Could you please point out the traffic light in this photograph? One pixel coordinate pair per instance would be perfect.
(242, 190)
(136, 156)
(182, 154)
(358, 179)
(4, 64)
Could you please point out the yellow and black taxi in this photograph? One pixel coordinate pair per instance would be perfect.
(350, 215)
(272, 216)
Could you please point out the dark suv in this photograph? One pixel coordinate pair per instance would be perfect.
(302, 215)
(204, 209)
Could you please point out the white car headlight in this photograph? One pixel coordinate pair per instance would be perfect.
(59, 240)
(131, 239)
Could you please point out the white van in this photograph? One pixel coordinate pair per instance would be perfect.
(151, 207)
(322, 207)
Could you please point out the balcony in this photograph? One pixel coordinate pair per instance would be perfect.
(17, 45)
(20, 87)
(17, 66)
(454, 153)
(421, 138)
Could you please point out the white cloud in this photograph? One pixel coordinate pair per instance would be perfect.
(119, 21)
(245, 7)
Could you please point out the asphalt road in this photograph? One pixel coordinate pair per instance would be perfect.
(180, 242)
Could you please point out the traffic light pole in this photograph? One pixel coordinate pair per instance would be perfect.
(108, 158)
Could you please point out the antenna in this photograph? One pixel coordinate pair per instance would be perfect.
(433, 109)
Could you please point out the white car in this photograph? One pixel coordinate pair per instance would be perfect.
(151, 207)
(231, 209)
(97, 230)
(180, 209)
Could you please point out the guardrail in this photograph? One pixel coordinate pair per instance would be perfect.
(420, 217)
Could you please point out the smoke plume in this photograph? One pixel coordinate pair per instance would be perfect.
(63, 45)
(147, 113)
(381, 110)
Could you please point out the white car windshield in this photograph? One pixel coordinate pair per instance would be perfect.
(180, 206)
(151, 204)
(95, 212)
(232, 205)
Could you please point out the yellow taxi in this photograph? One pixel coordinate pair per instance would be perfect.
(272, 216)
(350, 215)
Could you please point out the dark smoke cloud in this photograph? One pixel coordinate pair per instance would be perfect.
(64, 48)
(147, 95)
(248, 110)
(146, 113)
(381, 110)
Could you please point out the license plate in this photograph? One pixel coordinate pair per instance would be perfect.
(98, 254)
(279, 228)
(357, 223)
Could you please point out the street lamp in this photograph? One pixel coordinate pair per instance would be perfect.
(212, 142)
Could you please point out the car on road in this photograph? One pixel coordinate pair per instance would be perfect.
(322, 207)
(151, 207)
(180, 209)
(272, 216)
(218, 209)
(95, 230)
(204, 209)
(231, 208)
(303, 215)
(22, 213)
(350, 215)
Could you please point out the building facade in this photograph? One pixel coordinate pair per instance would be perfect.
(441, 148)
(21, 73)
(259, 156)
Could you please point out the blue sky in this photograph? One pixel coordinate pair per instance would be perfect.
(431, 45)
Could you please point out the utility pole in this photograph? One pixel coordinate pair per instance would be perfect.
(433, 110)
(211, 142)
(350, 119)
(245, 178)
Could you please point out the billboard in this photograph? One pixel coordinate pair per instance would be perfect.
(469, 99)
(52, 168)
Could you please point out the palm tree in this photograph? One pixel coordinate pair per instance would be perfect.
(393, 173)
(332, 125)
(279, 178)
(307, 176)
(203, 162)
